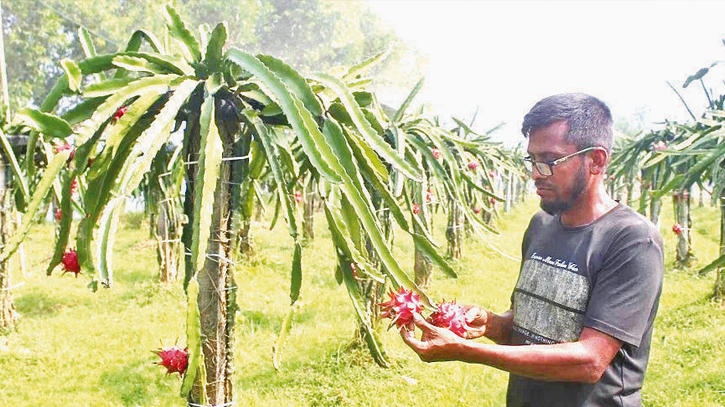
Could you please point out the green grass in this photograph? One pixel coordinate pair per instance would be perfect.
(76, 348)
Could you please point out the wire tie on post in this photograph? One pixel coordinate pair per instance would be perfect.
(227, 404)
(168, 241)
(223, 159)
(10, 288)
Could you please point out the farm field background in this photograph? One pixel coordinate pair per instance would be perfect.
(73, 347)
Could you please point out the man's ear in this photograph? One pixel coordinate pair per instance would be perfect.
(599, 160)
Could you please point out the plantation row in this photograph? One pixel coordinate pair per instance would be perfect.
(210, 137)
(678, 159)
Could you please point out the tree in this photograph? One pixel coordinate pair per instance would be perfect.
(40, 33)
(131, 101)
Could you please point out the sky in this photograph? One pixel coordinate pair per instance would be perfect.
(503, 56)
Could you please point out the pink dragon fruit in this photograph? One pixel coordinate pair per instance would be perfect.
(401, 307)
(174, 359)
(65, 147)
(70, 262)
(119, 113)
(416, 209)
(450, 315)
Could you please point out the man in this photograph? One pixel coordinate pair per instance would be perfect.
(589, 281)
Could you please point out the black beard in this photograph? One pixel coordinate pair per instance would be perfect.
(552, 208)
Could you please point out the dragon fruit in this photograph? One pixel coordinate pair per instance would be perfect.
(120, 112)
(473, 165)
(65, 147)
(58, 214)
(436, 153)
(70, 262)
(401, 307)
(174, 359)
(450, 315)
(677, 228)
(73, 186)
(429, 195)
(416, 209)
(298, 196)
(476, 210)
(353, 267)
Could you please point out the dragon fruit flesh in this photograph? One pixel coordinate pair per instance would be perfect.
(451, 316)
(401, 307)
(174, 359)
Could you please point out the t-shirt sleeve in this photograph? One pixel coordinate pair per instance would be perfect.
(626, 290)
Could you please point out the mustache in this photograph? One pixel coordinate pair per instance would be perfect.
(543, 185)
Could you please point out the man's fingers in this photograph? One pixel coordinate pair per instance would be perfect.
(474, 333)
(409, 338)
(421, 323)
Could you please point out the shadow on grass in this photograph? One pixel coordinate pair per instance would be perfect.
(145, 293)
(333, 378)
(139, 384)
(257, 320)
(39, 305)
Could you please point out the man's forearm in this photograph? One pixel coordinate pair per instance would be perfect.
(498, 327)
(581, 361)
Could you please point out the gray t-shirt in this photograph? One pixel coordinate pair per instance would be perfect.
(607, 276)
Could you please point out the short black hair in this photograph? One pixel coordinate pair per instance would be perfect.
(589, 119)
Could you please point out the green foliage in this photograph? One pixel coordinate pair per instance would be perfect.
(312, 35)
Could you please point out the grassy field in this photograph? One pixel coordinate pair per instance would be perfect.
(76, 348)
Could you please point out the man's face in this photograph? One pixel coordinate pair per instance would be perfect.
(560, 190)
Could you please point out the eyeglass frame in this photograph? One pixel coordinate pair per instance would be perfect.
(549, 165)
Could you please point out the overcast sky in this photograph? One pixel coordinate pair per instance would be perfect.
(503, 56)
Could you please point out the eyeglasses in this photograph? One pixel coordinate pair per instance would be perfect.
(546, 168)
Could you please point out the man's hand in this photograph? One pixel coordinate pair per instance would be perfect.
(436, 344)
(477, 318)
